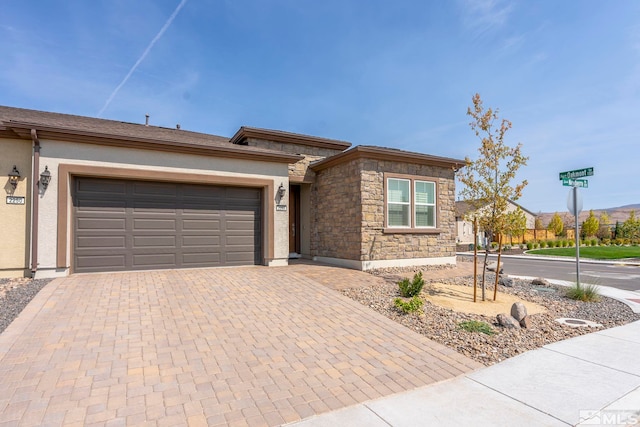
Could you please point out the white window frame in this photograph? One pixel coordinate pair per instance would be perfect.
(416, 203)
(408, 203)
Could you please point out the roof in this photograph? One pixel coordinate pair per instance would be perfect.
(390, 154)
(18, 122)
(464, 206)
(246, 132)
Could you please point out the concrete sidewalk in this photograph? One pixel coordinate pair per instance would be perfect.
(592, 379)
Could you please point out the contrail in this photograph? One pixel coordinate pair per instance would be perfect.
(144, 55)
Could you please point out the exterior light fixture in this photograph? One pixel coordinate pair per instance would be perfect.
(45, 177)
(281, 191)
(14, 177)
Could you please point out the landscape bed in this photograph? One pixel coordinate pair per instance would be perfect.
(443, 325)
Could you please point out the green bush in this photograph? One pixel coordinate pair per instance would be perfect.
(529, 245)
(411, 306)
(572, 243)
(413, 287)
(585, 293)
(594, 242)
(476, 326)
(563, 243)
(543, 244)
(552, 243)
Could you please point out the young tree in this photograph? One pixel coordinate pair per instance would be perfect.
(538, 224)
(630, 229)
(591, 225)
(488, 179)
(515, 223)
(604, 232)
(556, 224)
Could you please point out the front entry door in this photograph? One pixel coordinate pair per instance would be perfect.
(294, 221)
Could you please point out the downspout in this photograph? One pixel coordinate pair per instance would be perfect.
(35, 196)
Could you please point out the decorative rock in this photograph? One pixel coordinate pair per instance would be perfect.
(540, 282)
(506, 281)
(526, 322)
(518, 311)
(507, 321)
(493, 265)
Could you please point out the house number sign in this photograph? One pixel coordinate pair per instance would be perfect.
(14, 200)
(282, 208)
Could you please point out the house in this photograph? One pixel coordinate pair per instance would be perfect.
(92, 195)
(464, 227)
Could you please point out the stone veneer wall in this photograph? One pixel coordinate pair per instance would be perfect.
(336, 217)
(300, 169)
(350, 214)
(380, 245)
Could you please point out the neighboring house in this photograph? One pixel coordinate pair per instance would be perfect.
(464, 227)
(126, 196)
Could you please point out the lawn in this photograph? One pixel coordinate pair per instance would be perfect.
(596, 252)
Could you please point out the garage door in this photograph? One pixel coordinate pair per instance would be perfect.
(137, 225)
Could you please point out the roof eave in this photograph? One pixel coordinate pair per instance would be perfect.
(23, 130)
(287, 137)
(379, 153)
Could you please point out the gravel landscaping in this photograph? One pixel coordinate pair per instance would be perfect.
(441, 324)
(15, 294)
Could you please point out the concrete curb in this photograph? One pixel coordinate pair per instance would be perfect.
(560, 259)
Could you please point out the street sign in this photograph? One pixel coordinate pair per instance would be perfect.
(574, 201)
(579, 173)
(582, 183)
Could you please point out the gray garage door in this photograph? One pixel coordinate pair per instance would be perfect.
(136, 225)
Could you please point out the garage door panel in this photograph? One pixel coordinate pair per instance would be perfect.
(159, 260)
(154, 224)
(154, 241)
(132, 225)
(114, 242)
(197, 241)
(101, 224)
(101, 262)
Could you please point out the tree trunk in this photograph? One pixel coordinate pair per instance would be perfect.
(495, 288)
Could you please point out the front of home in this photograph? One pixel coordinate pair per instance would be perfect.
(93, 195)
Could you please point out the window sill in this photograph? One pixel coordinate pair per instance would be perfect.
(411, 231)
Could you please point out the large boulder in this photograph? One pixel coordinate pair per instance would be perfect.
(493, 266)
(540, 282)
(526, 322)
(518, 311)
(507, 321)
(506, 281)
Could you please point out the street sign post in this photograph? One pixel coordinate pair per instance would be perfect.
(574, 203)
(579, 173)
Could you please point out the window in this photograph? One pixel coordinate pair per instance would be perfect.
(425, 204)
(411, 203)
(398, 202)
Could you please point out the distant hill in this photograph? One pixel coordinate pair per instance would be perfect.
(620, 213)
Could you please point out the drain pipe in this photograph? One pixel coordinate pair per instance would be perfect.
(35, 197)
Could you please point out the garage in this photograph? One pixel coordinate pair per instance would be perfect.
(121, 225)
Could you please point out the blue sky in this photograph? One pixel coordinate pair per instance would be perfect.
(397, 73)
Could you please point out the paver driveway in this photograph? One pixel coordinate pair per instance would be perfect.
(237, 346)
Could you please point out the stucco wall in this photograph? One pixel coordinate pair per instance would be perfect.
(55, 153)
(15, 219)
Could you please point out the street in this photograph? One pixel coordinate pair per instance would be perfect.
(616, 276)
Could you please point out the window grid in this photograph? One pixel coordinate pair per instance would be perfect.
(411, 203)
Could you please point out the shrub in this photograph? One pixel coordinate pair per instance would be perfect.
(563, 243)
(572, 243)
(476, 326)
(606, 242)
(552, 243)
(543, 244)
(413, 287)
(529, 245)
(594, 242)
(586, 293)
(411, 306)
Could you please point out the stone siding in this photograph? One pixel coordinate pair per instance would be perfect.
(336, 213)
(300, 170)
(350, 213)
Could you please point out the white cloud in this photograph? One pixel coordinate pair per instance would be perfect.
(480, 16)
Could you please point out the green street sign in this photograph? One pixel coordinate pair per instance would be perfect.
(582, 183)
(580, 173)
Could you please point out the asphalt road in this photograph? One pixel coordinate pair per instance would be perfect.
(616, 276)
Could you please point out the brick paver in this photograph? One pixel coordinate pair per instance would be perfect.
(227, 346)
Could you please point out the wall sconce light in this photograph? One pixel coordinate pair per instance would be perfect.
(14, 177)
(45, 177)
(281, 191)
